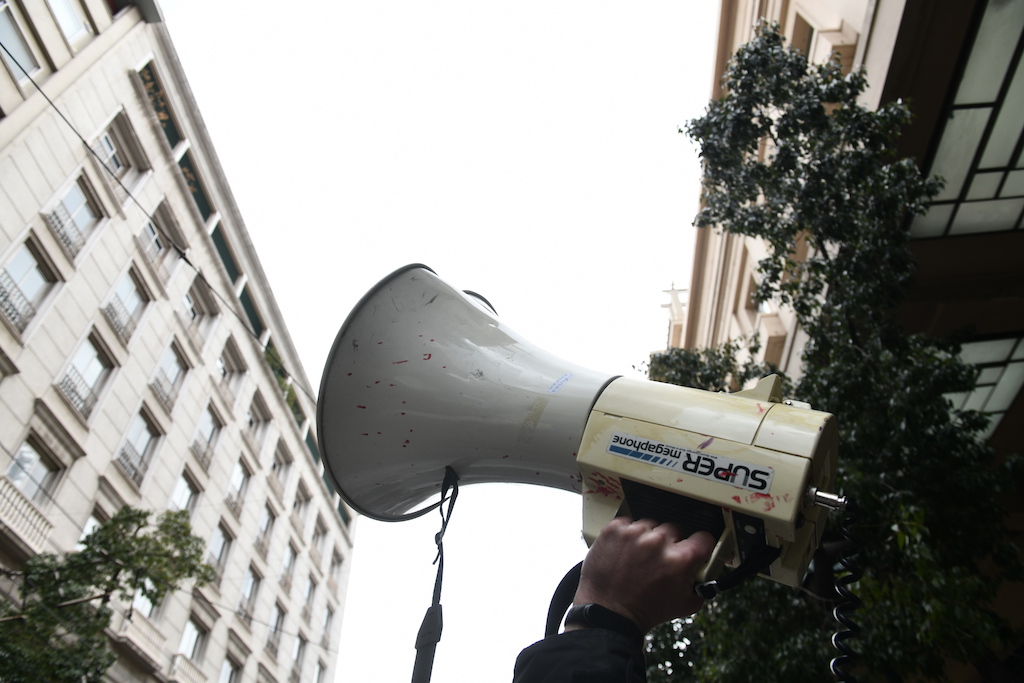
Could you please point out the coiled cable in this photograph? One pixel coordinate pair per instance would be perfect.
(848, 601)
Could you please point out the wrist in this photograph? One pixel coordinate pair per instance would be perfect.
(592, 615)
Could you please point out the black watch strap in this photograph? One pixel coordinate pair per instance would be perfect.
(596, 616)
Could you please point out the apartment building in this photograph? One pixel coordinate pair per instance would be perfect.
(958, 63)
(143, 359)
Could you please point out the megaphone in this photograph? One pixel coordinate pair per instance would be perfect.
(423, 377)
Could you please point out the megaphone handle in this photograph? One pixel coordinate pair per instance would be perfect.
(430, 629)
(755, 563)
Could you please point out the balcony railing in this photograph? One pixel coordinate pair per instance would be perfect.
(203, 450)
(244, 612)
(123, 321)
(164, 389)
(184, 670)
(234, 503)
(154, 252)
(273, 641)
(15, 307)
(263, 544)
(66, 230)
(133, 464)
(142, 633)
(19, 514)
(218, 569)
(78, 392)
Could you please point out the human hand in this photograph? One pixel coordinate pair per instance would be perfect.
(644, 570)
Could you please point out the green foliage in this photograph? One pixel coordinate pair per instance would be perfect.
(55, 631)
(791, 158)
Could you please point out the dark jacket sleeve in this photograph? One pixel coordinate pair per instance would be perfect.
(590, 655)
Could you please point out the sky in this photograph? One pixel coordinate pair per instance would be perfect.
(528, 151)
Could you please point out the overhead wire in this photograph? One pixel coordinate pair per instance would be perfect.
(181, 251)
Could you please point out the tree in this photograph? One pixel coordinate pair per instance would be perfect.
(55, 631)
(791, 158)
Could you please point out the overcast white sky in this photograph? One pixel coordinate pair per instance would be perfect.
(525, 150)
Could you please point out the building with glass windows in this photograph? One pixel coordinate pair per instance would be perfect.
(958, 63)
(143, 359)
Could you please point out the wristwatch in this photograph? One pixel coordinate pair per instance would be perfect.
(596, 616)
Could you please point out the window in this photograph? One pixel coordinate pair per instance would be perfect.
(237, 485)
(24, 283)
(298, 651)
(120, 156)
(230, 370)
(125, 306)
(321, 672)
(20, 56)
(258, 419)
(288, 567)
(220, 547)
(91, 525)
(279, 469)
(334, 575)
(74, 217)
(153, 243)
(308, 595)
(230, 672)
(198, 311)
(185, 494)
(328, 623)
(250, 588)
(317, 543)
(276, 625)
(69, 20)
(84, 378)
(1000, 377)
(266, 528)
(193, 641)
(206, 434)
(300, 508)
(142, 604)
(138, 447)
(169, 376)
(32, 473)
(159, 238)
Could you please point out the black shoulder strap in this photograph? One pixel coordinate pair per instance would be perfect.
(561, 599)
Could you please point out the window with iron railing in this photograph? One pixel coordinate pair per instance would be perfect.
(125, 307)
(237, 486)
(205, 436)
(168, 377)
(276, 625)
(137, 448)
(32, 472)
(247, 600)
(85, 376)
(24, 283)
(217, 554)
(73, 218)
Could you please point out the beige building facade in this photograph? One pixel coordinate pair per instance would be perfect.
(958, 63)
(143, 359)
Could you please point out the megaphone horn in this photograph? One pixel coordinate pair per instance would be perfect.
(422, 376)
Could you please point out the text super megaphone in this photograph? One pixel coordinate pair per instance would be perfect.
(423, 377)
